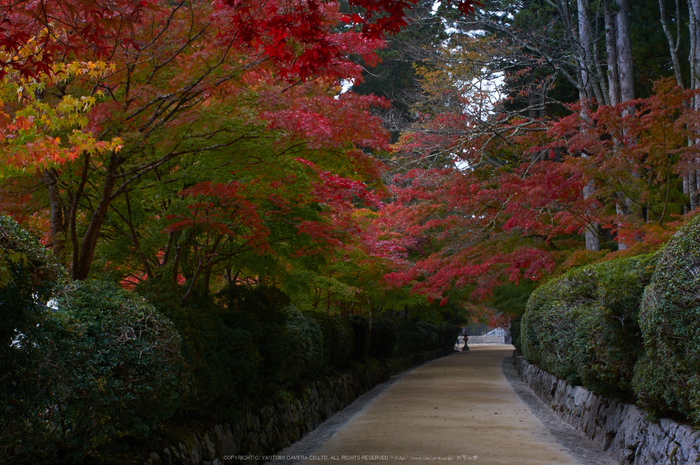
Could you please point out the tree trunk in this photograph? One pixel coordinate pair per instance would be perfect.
(58, 225)
(81, 266)
(588, 74)
(694, 26)
(625, 73)
(673, 44)
(694, 59)
(584, 37)
(591, 232)
(574, 43)
(611, 48)
(692, 189)
(624, 51)
(604, 97)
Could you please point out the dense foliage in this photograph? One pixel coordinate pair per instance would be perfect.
(667, 375)
(29, 274)
(28, 277)
(104, 366)
(585, 326)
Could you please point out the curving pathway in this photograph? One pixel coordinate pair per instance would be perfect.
(465, 408)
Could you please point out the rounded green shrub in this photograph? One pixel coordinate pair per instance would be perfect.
(383, 338)
(584, 325)
(338, 340)
(667, 377)
(305, 347)
(126, 365)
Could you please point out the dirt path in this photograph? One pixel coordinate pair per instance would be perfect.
(458, 409)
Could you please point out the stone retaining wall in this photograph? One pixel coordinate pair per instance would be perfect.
(619, 428)
(277, 426)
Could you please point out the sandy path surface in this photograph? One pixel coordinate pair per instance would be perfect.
(458, 409)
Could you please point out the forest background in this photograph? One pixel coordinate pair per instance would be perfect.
(387, 159)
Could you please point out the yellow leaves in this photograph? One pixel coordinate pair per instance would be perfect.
(86, 69)
(366, 213)
(38, 131)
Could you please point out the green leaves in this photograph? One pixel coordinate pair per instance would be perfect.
(40, 130)
(666, 377)
(584, 325)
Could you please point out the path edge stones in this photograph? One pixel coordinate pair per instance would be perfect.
(584, 450)
(622, 430)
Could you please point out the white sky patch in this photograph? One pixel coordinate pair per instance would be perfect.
(462, 165)
(346, 85)
(482, 95)
(490, 86)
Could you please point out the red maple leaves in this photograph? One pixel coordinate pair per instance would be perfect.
(70, 28)
(302, 36)
(479, 225)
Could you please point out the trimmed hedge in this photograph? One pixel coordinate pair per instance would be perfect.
(416, 336)
(432, 339)
(411, 337)
(338, 340)
(448, 333)
(383, 338)
(360, 326)
(667, 377)
(515, 332)
(261, 311)
(584, 326)
(305, 347)
(223, 361)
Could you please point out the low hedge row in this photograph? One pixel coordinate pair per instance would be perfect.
(109, 365)
(627, 328)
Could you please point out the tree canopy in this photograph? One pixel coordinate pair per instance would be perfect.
(208, 144)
